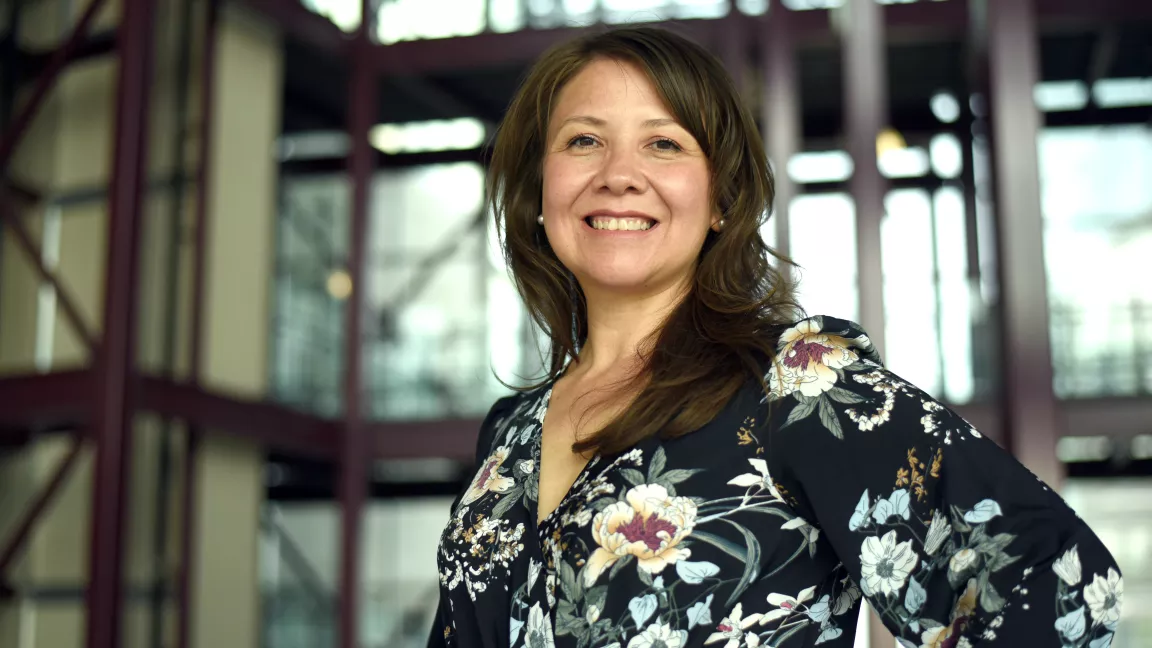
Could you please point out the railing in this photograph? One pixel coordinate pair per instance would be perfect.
(299, 610)
(1102, 351)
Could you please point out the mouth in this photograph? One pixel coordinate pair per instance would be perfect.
(620, 222)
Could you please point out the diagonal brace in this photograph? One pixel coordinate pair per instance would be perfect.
(20, 536)
(19, 126)
(9, 215)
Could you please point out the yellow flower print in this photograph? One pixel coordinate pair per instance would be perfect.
(808, 359)
(649, 525)
(489, 479)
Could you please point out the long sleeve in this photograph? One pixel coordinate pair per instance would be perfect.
(952, 541)
(443, 626)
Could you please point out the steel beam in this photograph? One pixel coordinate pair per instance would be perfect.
(55, 400)
(866, 114)
(355, 450)
(273, 426)
(1028, 401)
(24, 528)
(780, 116)
(298, 22)
(19, 126)
(452, 438)
(733, 50)
(115, 363)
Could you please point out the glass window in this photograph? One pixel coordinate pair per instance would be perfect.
(911, 313)
(822, 239)
(401, 20)
(1097, 206)
(928, 336)
(444, 323)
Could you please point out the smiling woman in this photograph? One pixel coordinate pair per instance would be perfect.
(698, 468)
(629, 126)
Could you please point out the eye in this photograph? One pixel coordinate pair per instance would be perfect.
(582, 141)
(666, 145)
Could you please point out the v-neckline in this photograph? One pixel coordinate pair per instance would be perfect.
(538, 456)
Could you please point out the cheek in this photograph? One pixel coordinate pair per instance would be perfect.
(687, 191)
(562, 181)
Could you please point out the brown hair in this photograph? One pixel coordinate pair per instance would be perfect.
(728, 324)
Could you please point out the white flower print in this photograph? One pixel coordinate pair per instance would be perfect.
(489, 479)
(584, 517)
(1067, 567)
(542, 407)
(650, 525)
(809, 532)
(659, 635)
(534, 568)
(550, 589)
(1104, 597)
(808, 359)
(752, 640)
(879, 383)
(786, 605)
(539, 633)
(732, 627)
(761, 480)
(847, 598)
(937, 533)
(962, 560)
(885, 564)
(820, 611)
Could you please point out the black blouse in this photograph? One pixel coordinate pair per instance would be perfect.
(770, 524)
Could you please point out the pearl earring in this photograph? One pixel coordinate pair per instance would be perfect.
(720, 224)
(540, 219)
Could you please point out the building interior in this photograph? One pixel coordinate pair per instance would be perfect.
(253, 307)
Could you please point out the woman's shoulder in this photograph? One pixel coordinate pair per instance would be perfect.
(817, 336)
(510, 414)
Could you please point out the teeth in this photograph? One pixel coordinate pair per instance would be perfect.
(628, 224)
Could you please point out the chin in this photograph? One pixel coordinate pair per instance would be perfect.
(624, 282)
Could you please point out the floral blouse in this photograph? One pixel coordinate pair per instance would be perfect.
(768, 527)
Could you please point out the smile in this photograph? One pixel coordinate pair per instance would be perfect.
(620, 223)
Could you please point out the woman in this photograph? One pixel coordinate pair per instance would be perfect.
(698, 469)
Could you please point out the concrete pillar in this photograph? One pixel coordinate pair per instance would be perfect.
(239, 284)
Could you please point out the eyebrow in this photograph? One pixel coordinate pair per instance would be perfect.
(596, 121)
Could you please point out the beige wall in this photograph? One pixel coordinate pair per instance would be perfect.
(70, 148)
(236, 325)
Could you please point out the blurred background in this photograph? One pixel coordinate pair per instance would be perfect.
(204, 201)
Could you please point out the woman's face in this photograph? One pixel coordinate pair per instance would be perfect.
(626, 188)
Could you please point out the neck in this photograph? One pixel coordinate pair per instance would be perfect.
(619, 327)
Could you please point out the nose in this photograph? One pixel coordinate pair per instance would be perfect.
(621, 173)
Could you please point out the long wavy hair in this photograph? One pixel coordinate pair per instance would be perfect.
(727, 325)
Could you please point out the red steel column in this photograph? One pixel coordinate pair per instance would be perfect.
(356, 451)
(114, 362)
(1029, 404)
(781, 113)
(199, 274)
(865, 115)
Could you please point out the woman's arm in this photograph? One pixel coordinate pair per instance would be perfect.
(442, 625)
(953, 542)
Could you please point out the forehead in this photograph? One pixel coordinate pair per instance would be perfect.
(610, 86)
